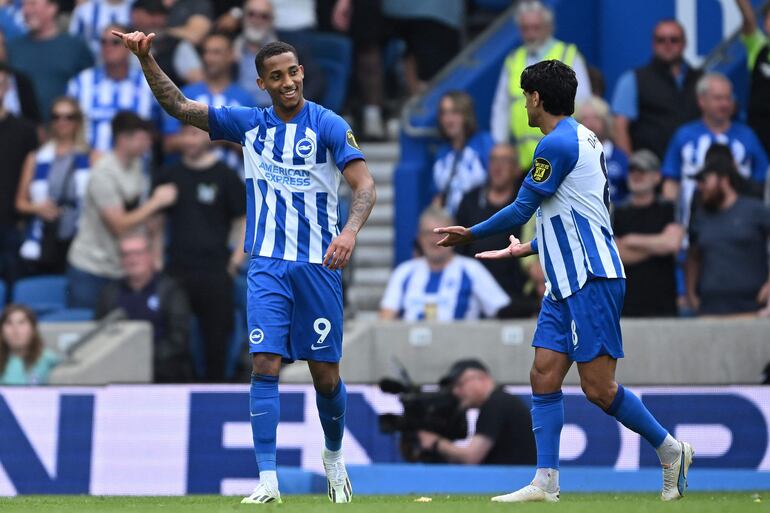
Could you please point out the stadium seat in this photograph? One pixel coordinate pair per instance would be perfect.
(42, 293)
(334, 54)
(3, 291)
(68, 315)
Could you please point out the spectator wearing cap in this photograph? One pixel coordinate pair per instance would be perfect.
(48, 57)
(176, 56)
(109, 87)
(727, 261)
(648, 239)
(594, 114)
(503, 433)
(116, 203)
(687, 151)
(440, 286)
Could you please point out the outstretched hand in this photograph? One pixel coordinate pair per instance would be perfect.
(515, 249)
(453, 236)
(137, 42)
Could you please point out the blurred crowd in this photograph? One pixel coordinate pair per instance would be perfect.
(146, 215)
(688, 183)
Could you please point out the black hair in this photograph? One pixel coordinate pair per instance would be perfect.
(271, 50)
(126, 122)
(218, 33)
(719, 159)
(556, 84)
(151, 6)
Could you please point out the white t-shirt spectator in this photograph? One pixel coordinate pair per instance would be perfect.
(463, 290)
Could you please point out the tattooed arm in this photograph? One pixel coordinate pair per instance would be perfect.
(364, 195)
(166, 92)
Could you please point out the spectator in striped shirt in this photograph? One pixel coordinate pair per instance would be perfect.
(90, 18)
(112, 86)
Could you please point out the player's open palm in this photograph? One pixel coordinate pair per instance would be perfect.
(137, 42)
(340, 250)
(514, 250)
(453, 235)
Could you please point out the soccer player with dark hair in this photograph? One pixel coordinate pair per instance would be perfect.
(296, 153)
(568, 191)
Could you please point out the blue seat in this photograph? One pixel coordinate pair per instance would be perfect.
(3, 291)
(42, 293)
(334, 54)
(68, 315)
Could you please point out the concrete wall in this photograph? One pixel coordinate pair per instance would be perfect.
(658, 351)
(120, 352)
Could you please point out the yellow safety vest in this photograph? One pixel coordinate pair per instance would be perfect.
(524, 136)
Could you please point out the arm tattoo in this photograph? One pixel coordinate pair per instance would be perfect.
(361, 207)
(171, 98)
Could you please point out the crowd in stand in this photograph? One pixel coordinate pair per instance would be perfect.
(687, 182)
(144, 214)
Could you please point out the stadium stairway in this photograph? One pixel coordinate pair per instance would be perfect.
(373, 256)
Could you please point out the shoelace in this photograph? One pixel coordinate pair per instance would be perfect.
(670, 476)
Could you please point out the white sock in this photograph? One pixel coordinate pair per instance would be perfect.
(332, 455)
(669, 450)
(269, 477)
(547, 479)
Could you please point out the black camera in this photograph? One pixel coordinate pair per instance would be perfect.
(437, 411)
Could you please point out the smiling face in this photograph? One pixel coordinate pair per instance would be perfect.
(282, 80)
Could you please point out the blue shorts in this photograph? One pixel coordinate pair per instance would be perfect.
(294, 309)
(586, 324)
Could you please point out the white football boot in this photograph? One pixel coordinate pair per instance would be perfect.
(337, 483)
(264, 493)
(675, 474)
(529, 493)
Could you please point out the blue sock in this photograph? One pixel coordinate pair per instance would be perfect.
(629, 410)
(264, 407)
(331, 410)
(547, 421)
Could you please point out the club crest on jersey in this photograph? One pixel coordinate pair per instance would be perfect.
(541, 170)
(305, 148)
(351, 140)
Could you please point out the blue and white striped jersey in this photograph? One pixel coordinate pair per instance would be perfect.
(464, 289)
(90, 18)
(293, 172)
(574, 232)
(101, 97)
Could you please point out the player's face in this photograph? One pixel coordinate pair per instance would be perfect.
(668, 42)
(532, 104)
(717, 102)
(450, 119)
(283, 81)
(217, 56)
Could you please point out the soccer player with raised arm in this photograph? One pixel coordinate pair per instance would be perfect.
(579, 321)
(295, 154)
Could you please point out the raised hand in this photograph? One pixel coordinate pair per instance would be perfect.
(453, 236)
(514, 250)
(137, 42)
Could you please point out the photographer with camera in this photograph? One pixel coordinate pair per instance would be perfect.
(503, 430)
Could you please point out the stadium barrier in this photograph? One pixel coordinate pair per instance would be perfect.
(174, 440)
(658, 351)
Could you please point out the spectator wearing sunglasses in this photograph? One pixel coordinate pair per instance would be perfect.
(647, 117)
(110, 87)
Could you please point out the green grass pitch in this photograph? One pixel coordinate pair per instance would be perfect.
(717, 502)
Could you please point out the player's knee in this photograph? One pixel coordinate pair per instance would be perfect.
(326, 384)
(601, 394)
(543, 381)
(266, 364)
